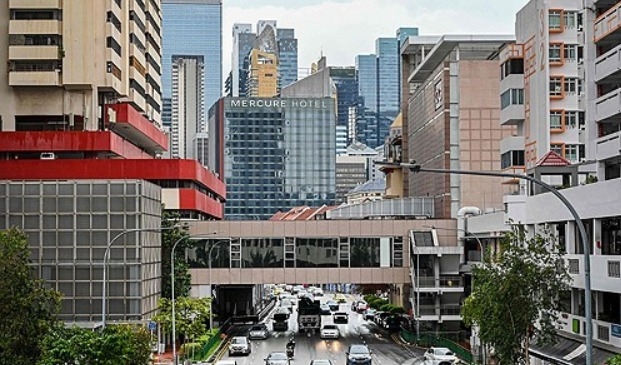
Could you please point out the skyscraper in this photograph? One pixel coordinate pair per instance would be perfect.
(193, 27)
(379, 84)
(268, 38)
(188, 116)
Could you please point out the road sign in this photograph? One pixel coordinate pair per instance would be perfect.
(152, 326)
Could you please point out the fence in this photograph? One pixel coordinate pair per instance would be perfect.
(448, 340)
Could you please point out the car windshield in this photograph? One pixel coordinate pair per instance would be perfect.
(329, 327)
(358, 350)
(278, 356)
(321, 362)
(257, 328)
(238, 340)
(444, 352)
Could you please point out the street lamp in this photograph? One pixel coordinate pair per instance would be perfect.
(416, 168)
(210, 288)
(172, 285)
(107, 256)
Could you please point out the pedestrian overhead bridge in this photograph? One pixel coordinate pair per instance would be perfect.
(314, 251)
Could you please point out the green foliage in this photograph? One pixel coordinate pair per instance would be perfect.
(590, 179)
(615, 360)
(182, 269)
(117, 344)
(515, 295)
(191, 316)
(377, 303)
(28, 309)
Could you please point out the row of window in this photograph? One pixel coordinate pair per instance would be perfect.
(47, 14)
(35, 40)
(560, 119)
(34, 66)
(560, 85)
(559, 19)
(572, 152)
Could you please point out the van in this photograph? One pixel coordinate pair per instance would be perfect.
(48, 156)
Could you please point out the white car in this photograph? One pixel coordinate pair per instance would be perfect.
(330, 331)
(318, 292)
(440, 355)
(239, 345)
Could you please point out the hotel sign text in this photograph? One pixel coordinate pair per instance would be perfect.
(280, 103)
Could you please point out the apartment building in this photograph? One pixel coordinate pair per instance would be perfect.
(560, 89)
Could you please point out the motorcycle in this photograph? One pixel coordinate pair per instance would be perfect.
(290, 351)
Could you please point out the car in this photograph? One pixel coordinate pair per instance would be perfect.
(340, 298)
(330, 331)
(380, 317)
(321, 362)
(277, 358)
(358, 354)
(340, 318)
(359, 306)
(369, 314)
(258, 331)
(318, 292)
(302, 293)
(324, 309)
(240, 345)
(286, 303)
(441, 354)
(334, 306)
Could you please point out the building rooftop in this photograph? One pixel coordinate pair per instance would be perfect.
(371, 186)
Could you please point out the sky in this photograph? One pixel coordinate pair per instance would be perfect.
(342, 29)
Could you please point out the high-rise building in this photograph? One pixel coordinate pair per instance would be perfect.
(243, 41)
(263, 74)
(188, 116)
(268, 39)
(462, 136)
(80, 139)
(379, 85)
(273, 153)
(193, 27)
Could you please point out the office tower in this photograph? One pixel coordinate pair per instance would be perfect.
(273, 153)
(379, 85)
(80, 139)
(193, 27)
(287, 57)
(188, 116)
(268, 39)
(243, 41)
(263, 74)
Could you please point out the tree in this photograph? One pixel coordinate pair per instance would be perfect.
(615, 360)
(28, 309)
(515, 295)
(116, 344)
(191, 316)
(182, 269)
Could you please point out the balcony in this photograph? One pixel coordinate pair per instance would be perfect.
(35, 27)
(513, 81)
(442, 284)
(513, 143)
(35, 78)
(512, 115)
(35, 4)
(608, 106)
(608, 65)
(607, 24)
(604, 271)
(605, 332)
(132, 125)
(33, 52)
(443, 312)
(608, 146)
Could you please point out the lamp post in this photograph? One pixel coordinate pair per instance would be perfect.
(416, 168)
(107, 257)
(172, 287)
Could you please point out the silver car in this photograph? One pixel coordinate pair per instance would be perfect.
(239, 346)
(258, 331)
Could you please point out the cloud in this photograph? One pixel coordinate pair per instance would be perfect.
(345, 28)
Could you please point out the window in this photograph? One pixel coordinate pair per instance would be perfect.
(113, 69)
(556, 86)
(572, 85)
(111, 18)
(574, 119)
(556, 119)
(554, 20)
(570, 52)
(512, 158)
(514, 66)
(556, 52)
(574, 152)
(569, 19)
(512, 97)
(557, 147)
(112, 43)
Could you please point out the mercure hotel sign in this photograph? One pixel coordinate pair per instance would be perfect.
(280, 103)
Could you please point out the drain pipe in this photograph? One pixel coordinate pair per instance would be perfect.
(462, 227)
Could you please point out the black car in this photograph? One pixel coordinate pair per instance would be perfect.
(358, 355)
(340, 318)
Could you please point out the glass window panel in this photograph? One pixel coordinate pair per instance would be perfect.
(65, 205)
(31, 222)
(316, 252)
(262, 252)
(65, 222)
(32, 205)
(364, 252)
(65, 189)
(100, 189)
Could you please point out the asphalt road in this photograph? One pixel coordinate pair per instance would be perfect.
(358, 331)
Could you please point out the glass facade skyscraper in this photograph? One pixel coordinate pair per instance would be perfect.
(379, 84)
(274, 154)
(288, 57)
(193, 27)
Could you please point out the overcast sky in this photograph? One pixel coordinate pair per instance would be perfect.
(343, 29)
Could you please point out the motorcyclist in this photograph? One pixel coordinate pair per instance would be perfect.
(291, 346)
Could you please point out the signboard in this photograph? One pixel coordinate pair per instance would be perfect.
(615, 329)
(279, 103)
(152, 326)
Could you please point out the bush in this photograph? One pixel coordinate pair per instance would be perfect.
(377, 303)
(370, 297)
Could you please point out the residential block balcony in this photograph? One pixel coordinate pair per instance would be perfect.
(608, 106)
(608, 146)
(607, 24)
(35, 78)
(608, 64)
